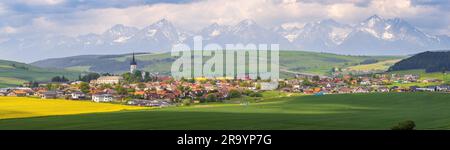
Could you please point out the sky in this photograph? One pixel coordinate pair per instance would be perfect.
(77, 17)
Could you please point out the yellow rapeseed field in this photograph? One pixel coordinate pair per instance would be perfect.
(21, 107)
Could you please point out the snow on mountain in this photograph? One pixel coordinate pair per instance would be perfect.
(376, 35)
(320, 35)
(119, 34)
(373, 36)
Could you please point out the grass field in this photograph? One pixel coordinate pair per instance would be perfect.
(379, 66)
(290, 61)
(16, 73)
(21, 107)
(9, 81)
(356, 111)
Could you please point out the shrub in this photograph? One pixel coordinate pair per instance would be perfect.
(405, 125)
(234, 94)
(186, 102)
(211, 97)
(255, 95)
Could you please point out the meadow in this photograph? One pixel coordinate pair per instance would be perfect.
(15, 73)
(378, 111)
(381, 66)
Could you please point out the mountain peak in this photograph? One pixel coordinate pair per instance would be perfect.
(247, 22)
(163, 22)
(118, 26)
(375, 16)
(328, 21)
(120, 29)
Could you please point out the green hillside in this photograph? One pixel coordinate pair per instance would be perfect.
(343, 111)
(15, 73)
(436, 61)
(291, 62)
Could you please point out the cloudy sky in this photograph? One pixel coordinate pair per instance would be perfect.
(75, 17)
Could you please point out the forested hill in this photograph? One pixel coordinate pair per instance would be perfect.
(430, 61)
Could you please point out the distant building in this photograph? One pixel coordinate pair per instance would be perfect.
(102, 98)
(49, 95)
(133, 65)
(78, 95)
(108, 80)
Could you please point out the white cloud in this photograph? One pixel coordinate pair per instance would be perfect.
(3, 9)
(8, 30)
(41, 2)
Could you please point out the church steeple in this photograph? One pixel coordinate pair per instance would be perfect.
(133, 61)
(133, 65)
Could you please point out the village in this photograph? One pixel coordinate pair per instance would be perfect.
(141, 89)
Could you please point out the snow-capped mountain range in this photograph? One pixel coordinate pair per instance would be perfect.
(373, 36)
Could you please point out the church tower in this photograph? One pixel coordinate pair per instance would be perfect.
(133, 65)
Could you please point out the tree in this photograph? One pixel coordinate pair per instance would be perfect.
(84, 87)
(211, 97)
(405, 125)
(56, 79)
(255, 94)
(89, 77)
(258, 86)
(147, 77)
(121, 90)
(316, 78)
(234, 94)
(49, 86)
(137, 76)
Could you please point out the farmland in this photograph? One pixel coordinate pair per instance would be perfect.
(292, 61)
(345, 111)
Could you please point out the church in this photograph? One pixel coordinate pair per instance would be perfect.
(133, 65)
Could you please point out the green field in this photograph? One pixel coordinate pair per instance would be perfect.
(15, 73)
(355, 111)
(381, 66)
(291, 62)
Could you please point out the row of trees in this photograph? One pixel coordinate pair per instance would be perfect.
(138, 76)
(60, 79)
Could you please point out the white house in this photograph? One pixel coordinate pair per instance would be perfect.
(78, 95)
(108, 80)
(102, 98)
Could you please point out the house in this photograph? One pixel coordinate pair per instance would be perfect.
(344, 90)
(367, 82)
(383, 89)
(18, 93)
(426, 89)
(108, 80)
(102, 98)
(49, 95)
(77, 95)
(5, 90)
(361, 90)
(443, 88)
(3, 93)
(148, 103)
